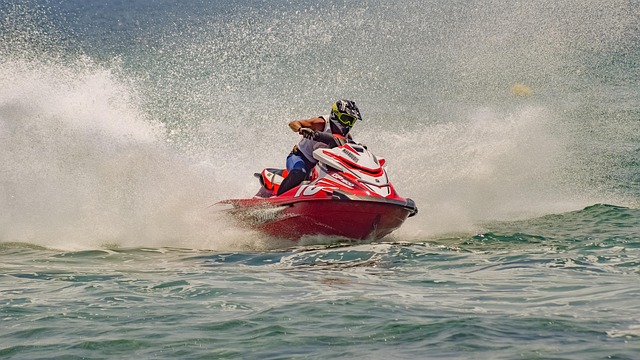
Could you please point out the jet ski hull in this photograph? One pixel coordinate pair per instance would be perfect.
(352, 219)
(348, 196)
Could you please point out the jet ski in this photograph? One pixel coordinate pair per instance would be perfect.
(348, 195)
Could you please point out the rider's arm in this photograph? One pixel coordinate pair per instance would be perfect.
(313, 123)
(328, 139)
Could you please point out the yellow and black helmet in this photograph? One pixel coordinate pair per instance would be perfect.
(345, 112)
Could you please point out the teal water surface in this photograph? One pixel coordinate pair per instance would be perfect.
(496, 295)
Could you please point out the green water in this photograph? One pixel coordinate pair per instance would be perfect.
(563, 291)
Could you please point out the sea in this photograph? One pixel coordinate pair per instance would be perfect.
(513, 125)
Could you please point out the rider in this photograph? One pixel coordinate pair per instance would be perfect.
(300, 161)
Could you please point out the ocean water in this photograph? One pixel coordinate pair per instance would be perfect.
(514, 126)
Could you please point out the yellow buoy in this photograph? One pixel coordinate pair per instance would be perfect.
(521, 90)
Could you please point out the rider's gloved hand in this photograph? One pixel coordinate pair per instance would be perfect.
(307, 133)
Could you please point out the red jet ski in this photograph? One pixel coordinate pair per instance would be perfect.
(348, 196)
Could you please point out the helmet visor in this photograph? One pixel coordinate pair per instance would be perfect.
(346, 119)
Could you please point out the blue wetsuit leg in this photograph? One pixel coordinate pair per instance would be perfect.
(298, 168)
(296, 162)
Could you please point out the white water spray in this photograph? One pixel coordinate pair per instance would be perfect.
(132, 153)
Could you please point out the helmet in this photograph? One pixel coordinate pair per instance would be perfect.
(345, 112)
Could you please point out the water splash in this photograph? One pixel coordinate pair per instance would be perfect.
(105, 143)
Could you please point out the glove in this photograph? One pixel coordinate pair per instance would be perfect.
(307, 133)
